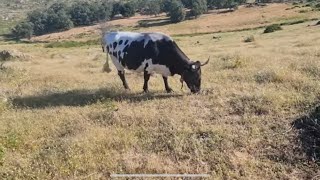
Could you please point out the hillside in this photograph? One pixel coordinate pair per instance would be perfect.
(243, 18)
(61, 117)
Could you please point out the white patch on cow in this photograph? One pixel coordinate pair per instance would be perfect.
(193, 67)
(154, 68)
(117, 63)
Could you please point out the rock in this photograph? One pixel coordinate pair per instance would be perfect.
(6, 55)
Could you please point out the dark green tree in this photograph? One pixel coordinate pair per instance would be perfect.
(23, 30)
(198, 7)
(187, 3)
(57, 21)
(81, 14)
(127, 10)
(177, 12)
(58, 6)
(39, 20)
(153, 7)
(165, 6)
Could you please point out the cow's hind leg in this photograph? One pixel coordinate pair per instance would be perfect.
(123, 79)
(166, 85)
(146, 79)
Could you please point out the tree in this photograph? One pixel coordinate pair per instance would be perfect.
(58, 6)
(104, 11)
(198, 7)
(38, 18)
(153, 7)
(165, 6)
(81, 14)
(116, 8)
(57, 21)
(127, 10)
(23, 30)
(177, 12)
(187, 3)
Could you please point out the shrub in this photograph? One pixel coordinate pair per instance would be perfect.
(177, 13)
(128, 10)
(198, 7)
(152, 7)
(49, 20)
(272, 28)
(80, 14)
(249, 39)
(23, 30)
(165, 6)
(267, 76)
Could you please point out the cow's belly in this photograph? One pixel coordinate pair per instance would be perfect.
(159, 69)
(153, 68)
(146, 65)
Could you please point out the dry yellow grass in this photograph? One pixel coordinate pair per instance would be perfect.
(65, 119)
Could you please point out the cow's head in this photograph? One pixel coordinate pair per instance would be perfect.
(192, 75)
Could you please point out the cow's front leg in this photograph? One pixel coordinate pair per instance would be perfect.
(166, 85)
(123, 79)
(146, 79)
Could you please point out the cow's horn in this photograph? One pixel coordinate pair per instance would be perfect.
(206, 62)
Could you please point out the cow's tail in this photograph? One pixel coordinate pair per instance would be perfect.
(106, 66)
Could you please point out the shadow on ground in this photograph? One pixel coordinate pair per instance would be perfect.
(83, 98)
(309, 134)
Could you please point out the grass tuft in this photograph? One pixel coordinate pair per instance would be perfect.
(249, 39)
(267, 76)
(272, 28)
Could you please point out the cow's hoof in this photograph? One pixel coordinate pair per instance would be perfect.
(146, 91)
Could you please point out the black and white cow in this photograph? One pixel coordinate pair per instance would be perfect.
(151, 53)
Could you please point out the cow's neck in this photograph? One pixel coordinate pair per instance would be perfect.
(182, 61)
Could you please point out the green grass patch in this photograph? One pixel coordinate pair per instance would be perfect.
(71, 44)
(5, 26)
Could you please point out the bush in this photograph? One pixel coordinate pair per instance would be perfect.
(23, 30)
(177, 12)
(249, 39)
(198, 7)
(51, 20)
(152, 7)
(166, 5)
(128, 10)
(80, 14)
(272, 28)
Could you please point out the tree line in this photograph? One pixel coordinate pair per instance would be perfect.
(60, 16)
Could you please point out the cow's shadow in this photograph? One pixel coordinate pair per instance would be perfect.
(83, 98)
(308, 128)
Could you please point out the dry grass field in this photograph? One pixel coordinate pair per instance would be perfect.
(61, 117)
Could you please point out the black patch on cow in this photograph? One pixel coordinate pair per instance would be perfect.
(120, 42)
(114, 53)
(125, 43)
(119, 57)
(115, 45)
(108, 48)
